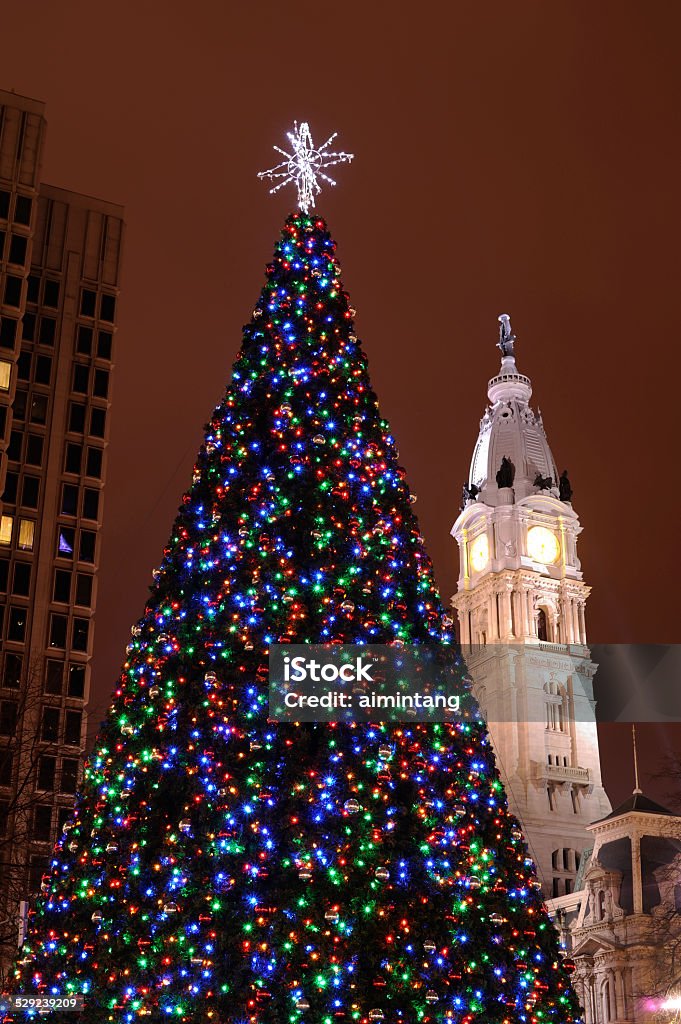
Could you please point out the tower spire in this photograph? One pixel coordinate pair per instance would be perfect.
(508, 383)
(637, 789)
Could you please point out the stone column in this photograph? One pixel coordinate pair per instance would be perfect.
(612, 996)
(605, 1008)
(491, 618)
(580, 986)
(620, 994)
(520, 612)
(507, 620)
(531, 625)
(637, 881)
(582, 622)
(463, 620)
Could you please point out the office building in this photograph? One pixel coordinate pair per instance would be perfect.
(59, 279)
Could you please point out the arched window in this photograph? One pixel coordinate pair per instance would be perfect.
(601, 905)
(555, 711)
(542, 625)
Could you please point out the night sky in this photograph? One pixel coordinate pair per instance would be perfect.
(510, 157)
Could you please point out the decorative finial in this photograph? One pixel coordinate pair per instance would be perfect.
(506, 335)
(304, 165)
(637, 789)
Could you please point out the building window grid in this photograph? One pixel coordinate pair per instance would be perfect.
(66, 770)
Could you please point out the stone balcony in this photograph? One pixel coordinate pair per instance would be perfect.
(563, 773)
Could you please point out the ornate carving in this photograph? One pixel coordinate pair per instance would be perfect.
(469, 494)
(486, 421)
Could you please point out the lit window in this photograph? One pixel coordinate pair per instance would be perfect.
(26, 534)
(5, 374)
(66, 538)
(6, 524)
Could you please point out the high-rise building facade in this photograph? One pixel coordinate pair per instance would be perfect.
(59, 280)
(521, 606)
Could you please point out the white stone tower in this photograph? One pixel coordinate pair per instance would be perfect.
(520, 603)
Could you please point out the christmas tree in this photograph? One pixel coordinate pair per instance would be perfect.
(219, 867)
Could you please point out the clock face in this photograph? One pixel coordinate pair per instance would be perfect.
(543, 545)
(479, 552)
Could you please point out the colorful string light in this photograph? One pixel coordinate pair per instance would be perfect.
(221, 868)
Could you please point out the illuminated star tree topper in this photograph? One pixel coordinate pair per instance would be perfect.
(305, 165)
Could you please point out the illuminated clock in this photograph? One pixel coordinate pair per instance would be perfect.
(543, 545)
(479, 552)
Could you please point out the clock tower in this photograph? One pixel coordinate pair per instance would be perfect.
(521, 602)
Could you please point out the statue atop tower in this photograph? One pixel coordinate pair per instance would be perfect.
(506, 335)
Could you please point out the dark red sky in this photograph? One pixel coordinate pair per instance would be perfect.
(520, 157)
